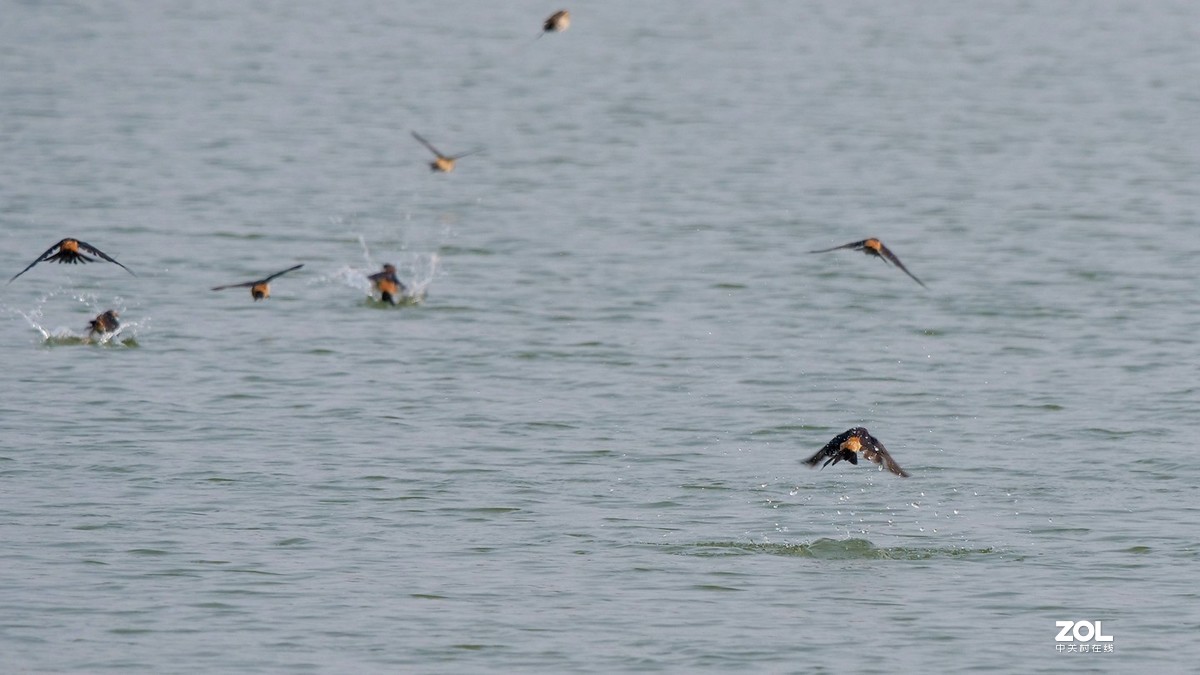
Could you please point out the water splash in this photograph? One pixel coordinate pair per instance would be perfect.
(125, 335)
(415, 270)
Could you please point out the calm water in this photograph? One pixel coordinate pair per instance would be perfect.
(583, 451)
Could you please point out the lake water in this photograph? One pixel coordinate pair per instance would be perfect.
(583, 451)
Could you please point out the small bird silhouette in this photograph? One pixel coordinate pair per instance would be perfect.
(68, 251)
(442, 163)
(876, 248)
(104, 323)
(847, 445)
(557, 22)
(390, 288)
(260, 289)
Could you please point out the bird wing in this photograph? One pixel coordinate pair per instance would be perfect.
(854, 245)
(95, 251)
(830, 450)
(812, 461)
(256, 282)
(281, 273)
(465, 154)
(241, 285)
(427, 144)
(40, 258)
(891, 257)
(875, 452)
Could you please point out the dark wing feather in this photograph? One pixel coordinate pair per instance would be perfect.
(465, 154)
(256, 282)
(44, 256)
(812, 461)
(891, 257)
(877, 453)
(830, 450)
(241, 285)
(279, 274)
(97, 252)
(427, 144)
(856, 245)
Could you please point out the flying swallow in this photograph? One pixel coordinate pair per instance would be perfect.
(68, 251)
(390, 288)
(261, 289)
(876, 248)
(442, 163)
(848, 444)
(557, 22)
(104, 323)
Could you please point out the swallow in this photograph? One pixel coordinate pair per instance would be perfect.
(442, 163)
(848, 444)
(557, 22)
(876, 248)
(261, 289)
(390, 288)
(68, 251)
(104, 323)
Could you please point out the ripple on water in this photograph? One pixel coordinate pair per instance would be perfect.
(827, 549)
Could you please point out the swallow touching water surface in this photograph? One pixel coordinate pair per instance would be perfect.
(847, 445)
(68, 251)
(103, 323)
(260, 289)
(442, 163)
(875, 248)
(389, 287)
(557, 22)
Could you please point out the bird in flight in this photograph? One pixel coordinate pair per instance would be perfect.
(104, 323)
(557, 22)
(847, 445)
(260, 289)
(390, 288)
(876, 248)
(68, 251)
(442, 163)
